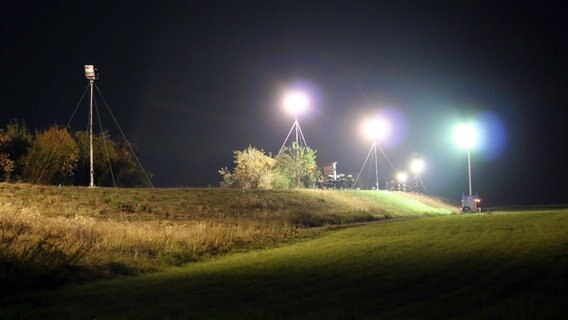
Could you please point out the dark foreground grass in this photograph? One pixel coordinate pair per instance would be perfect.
(498, 266)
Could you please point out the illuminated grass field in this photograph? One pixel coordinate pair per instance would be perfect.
(53, 236)
(508, 265)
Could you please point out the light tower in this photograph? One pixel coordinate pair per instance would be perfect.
(376, 129)
(295, 102)
(466, 137)
(416, 167)
(401, 178)
(92, 74)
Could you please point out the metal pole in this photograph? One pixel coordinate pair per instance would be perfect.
(469, 171)
(415, 188)
(376, 164)
(334, 171)
(296, 151)
(297, 125)
(92, 170)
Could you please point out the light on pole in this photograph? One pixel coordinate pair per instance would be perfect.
(296, 102)
(466, 137)
(401, 178)
(416, 167)
(91, 73)
(376, 129)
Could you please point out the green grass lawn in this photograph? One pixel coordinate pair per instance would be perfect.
(498, 266)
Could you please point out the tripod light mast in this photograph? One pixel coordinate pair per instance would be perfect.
(91, 73)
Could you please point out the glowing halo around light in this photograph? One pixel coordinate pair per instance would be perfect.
(296, 102)
(377, 129)
(401, 177)
(466, 136)
(493, 137)
(416, 165)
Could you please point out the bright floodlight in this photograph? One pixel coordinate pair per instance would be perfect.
(401, 177)
(466, 136)
(376, 129)
(296, 102)
(90, 72)
(416, 165)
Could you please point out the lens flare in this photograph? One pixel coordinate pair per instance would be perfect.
(494, 135)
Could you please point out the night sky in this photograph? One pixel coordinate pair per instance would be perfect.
(191, 81)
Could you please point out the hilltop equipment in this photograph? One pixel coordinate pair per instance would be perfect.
(336, 180)
(470, 203)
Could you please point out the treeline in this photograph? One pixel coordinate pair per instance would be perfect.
(61, 157)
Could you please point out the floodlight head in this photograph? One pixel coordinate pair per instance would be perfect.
(377, 129)
(401, 177)
(91, 73)
(296, 102)
(416, 165)
(466, 136)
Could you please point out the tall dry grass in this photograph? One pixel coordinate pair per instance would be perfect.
(38, 250)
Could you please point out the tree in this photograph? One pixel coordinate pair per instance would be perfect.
(253, 168)
(309, 172)
(113, 162)
(52, 157)
(296, 167)
(126, 169)
(6, 164)
(17, 145)
(284, 171)
(227, 177)
(104, 151)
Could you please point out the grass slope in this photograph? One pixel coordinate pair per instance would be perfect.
(189, 204)
(50, 236)
(499, 266)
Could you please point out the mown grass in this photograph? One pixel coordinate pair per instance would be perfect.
(498, 266)
(54, 235)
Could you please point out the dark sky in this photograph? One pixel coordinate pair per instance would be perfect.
(191, 81)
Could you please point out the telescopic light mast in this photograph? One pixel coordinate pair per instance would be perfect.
(91, 73)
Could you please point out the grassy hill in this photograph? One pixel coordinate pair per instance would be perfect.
(184, 204)
(56, 235)
(509, 265)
